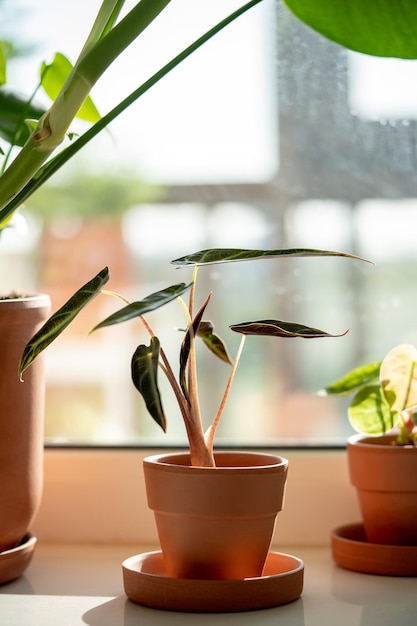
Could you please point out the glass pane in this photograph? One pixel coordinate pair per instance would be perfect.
(269, 138)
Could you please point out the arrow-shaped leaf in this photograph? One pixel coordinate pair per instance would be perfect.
(141, 307)
(54, 326)
(186, 345)
(214, 343)
(278, 328)
(224, 255)
(145, 378)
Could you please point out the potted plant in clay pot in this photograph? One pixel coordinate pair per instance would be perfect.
(382, 462)
(33, 136)
(215, 511)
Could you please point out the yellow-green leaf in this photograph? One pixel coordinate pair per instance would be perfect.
(3, 63)
(53, 77)
(398, 377)
(369, 412)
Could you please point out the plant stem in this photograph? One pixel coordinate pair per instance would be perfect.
(211, 431)
(52, 127)
(16, 187)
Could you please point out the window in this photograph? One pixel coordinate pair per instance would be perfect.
(268, 138)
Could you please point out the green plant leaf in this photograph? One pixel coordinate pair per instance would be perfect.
(54, 326)
(398, 377)
(150, 303)
(145, 378)
(53, 77)
(278, 328)
(381, 28)
(187, 343)
(369, 412)
(214, 343)
(223, 255)
(353, 380)
(3, 63)
(14, 110)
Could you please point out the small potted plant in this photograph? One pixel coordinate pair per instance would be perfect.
(382, 457)
(215, 512)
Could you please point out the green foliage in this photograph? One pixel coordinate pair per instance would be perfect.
(15, 109)
(355, 379)
(87, 195)
(145, 363)
(61, 319)
(370, 413)
(2, 63)
(275, 328)
(142, 307)
(385, 394)
(53, 77)
(383, 28)
(146, 359)
(107, 40)
(223, 255)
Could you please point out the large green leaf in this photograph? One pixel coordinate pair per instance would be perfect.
(223, 255)
(145, 378)
(150, 303)
(14, 110)
(53, 77)
(353, 380)
(278, 328)
(369, 412)
(385, 28)
(54, 326)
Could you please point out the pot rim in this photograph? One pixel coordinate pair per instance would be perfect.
(267, 462)
(383, 443)
(26, 302)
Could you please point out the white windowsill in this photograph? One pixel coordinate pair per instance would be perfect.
(94, 515)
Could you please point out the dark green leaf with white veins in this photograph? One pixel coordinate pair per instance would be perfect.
(150, 303)
(224, 255)
(278, 328)
(145, 378)
(54, 326)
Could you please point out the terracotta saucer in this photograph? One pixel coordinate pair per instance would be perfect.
(351, 550)
(145, 582)
(13, 562)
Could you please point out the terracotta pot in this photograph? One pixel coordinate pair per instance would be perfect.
(21, 419)
(215, 522)
(385, 476)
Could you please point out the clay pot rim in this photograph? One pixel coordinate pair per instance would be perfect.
(169, 462)
(384, 443)
(25, 301)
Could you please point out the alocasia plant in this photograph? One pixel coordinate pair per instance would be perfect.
(148, 358)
